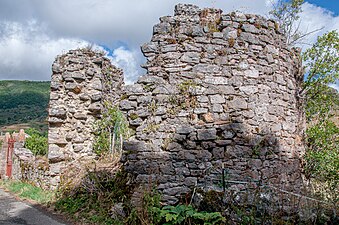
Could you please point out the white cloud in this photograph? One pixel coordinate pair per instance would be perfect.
(335, 86)
(33, 32)
(27, 52)
(129, 61)
(131, 21)
(313, 18)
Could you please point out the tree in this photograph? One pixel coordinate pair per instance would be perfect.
(286, 13)
(321, 101)
(322, 64)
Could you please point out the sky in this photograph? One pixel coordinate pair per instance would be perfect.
(34, 32)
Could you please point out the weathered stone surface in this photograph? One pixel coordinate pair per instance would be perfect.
(208, 118)
(207, 134)
(95, 107)
(217, 99)
(184, 129)
(125, 104)
(219, 89)
(253, 73)
(57, 112)
(212, 96)
(73, 112)
(215, 80)
(250, 28)
(191, 57)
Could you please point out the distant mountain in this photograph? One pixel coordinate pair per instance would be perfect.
(23, 102)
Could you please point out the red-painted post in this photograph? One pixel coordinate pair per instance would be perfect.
(9, 161)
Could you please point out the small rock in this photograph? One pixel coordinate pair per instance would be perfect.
(208, 118)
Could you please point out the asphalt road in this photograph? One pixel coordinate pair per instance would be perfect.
(14, 212)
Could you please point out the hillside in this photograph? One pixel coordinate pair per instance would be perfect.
(24, 102)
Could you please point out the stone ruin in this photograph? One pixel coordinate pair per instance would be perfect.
(23, 164)
(221, 92)
(81, 82)
(18, 139)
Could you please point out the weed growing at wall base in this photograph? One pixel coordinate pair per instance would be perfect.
(152, 212)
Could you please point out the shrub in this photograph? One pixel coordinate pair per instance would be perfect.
(323, 152)
(153, 213)
(109, 131)
(37, 143)
(91, 200)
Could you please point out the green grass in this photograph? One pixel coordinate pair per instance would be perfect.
(28, 191)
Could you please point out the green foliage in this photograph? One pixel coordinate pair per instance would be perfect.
(37, 142)
(33, 131)
(323, 152)
(182, 214)
(321, 103)
(322, 62)
(186, 99)
(286, 13)
(23, 101)
(153, 213)
(109, 130)
(187, 85)
(28, 191)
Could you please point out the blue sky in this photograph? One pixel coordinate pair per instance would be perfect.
(34, 32)
(332, 5)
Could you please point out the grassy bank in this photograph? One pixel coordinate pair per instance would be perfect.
(28, 191)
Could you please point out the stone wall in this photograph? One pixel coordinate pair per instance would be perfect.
(220, 91)
(3, 152)
(25, 166)
(30, 168)
(18, 139)
(82, 81)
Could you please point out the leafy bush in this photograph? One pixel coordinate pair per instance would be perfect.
(186, 214)
(153, 213)
(37, 143)
(323, 152)
(322, 135)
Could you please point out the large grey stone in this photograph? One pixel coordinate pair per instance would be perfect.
(207, 134)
